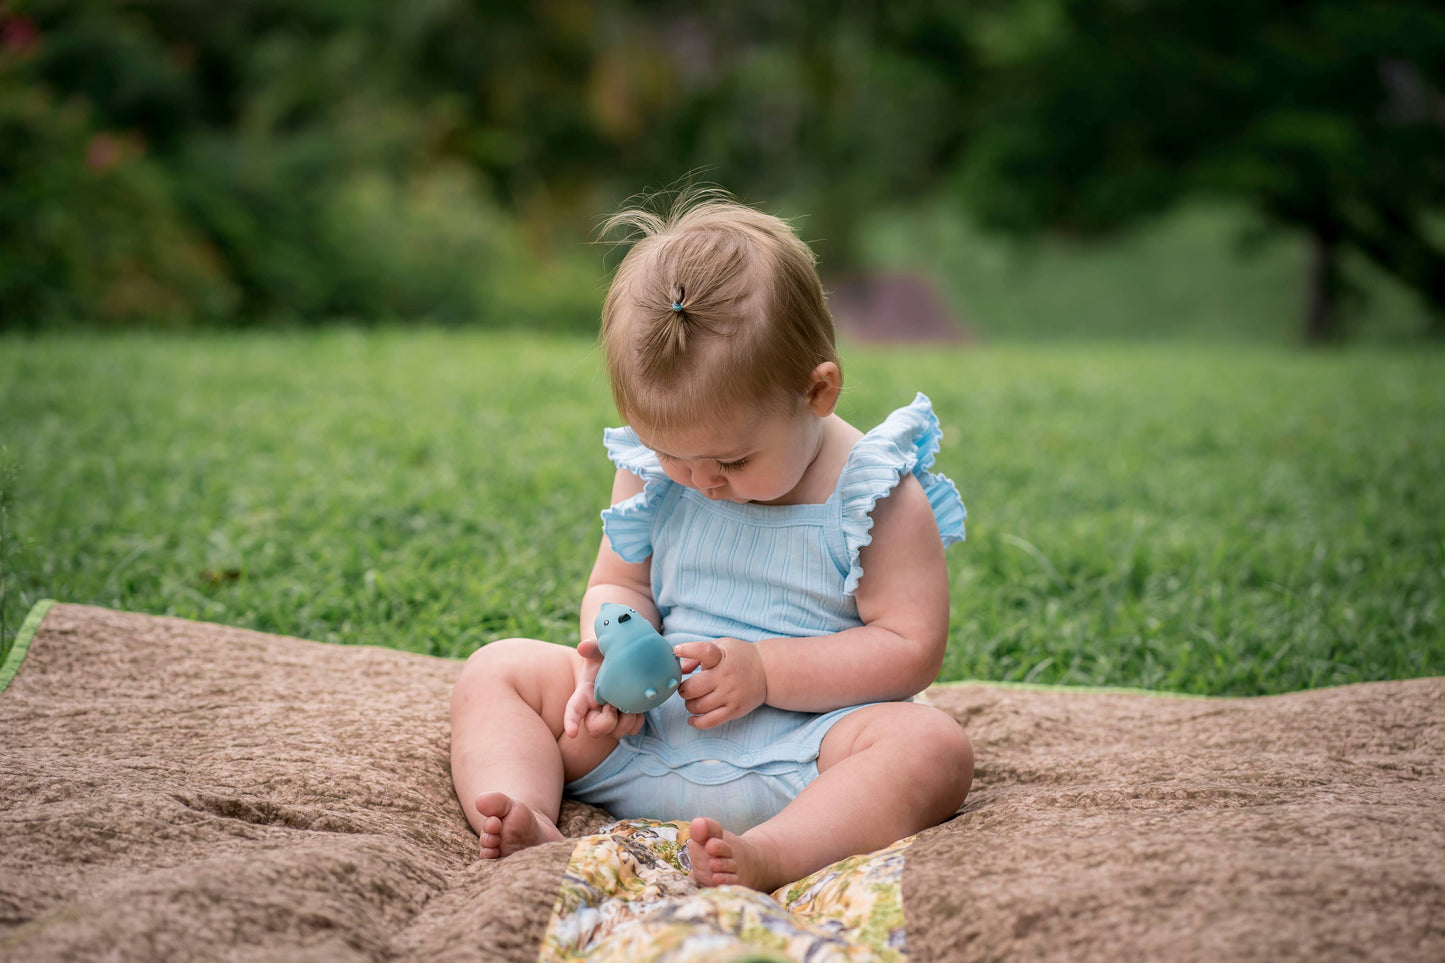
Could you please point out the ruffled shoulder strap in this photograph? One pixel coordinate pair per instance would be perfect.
(906, 442)
(628, 524)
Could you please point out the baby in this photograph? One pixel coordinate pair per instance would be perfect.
(794, 562)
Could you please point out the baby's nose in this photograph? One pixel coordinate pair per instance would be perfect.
(705, 476)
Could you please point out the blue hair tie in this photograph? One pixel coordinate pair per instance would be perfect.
(676, 308)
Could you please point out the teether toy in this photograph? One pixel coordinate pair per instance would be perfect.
(639, 671)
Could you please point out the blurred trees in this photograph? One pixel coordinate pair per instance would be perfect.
(169, 161)
(1325, 116)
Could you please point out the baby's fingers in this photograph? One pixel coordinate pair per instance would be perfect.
(701, 705)
(703, 654)
(574, 714)
(624, 724)
(714, 718)
(601, 721)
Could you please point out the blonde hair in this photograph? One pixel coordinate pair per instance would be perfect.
(716, 305)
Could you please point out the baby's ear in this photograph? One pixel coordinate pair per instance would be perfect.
(825, 385)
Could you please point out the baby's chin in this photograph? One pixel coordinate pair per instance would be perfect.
(755, 498)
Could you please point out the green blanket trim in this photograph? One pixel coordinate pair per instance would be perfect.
(1044, 687)
(21, 646)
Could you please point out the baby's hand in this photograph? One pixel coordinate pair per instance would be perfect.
(732, 682)
(584, 711)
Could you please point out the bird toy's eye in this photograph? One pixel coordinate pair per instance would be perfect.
(606, 622)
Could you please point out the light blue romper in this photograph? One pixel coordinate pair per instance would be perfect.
(750, 572)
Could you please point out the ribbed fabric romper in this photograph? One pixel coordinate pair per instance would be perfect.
(747, 571)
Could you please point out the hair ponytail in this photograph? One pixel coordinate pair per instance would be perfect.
(663, 340)
(671, 327)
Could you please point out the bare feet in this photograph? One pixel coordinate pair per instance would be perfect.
(509, 825)
(720, 858)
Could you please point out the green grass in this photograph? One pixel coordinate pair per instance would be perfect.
(1219, 520)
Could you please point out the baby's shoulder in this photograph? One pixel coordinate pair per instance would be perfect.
(891, 464)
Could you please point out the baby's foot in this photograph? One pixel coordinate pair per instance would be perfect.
(720, 858)
(509, 825)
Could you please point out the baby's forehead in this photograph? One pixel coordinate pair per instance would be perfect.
(722, 436)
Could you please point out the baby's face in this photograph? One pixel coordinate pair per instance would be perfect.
(756, 457)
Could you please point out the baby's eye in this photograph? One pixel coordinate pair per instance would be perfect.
(731, 466)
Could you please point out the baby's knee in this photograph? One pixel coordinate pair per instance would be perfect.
(942, 732)
(506, 661)
(506, 652)
(941, 742)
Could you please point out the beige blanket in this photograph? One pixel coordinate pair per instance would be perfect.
(177, 790)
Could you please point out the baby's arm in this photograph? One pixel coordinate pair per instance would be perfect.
(612, 580)
(903, 602)
(897, 652)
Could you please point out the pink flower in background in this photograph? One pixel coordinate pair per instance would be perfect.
(103, 152)
(18, 33)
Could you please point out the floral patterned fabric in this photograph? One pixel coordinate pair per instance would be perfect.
(626, 897)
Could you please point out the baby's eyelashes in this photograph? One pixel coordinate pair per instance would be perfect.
(726, 466)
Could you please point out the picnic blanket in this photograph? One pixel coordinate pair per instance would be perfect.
(178, 790)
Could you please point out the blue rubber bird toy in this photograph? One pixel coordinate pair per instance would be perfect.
(639, 671)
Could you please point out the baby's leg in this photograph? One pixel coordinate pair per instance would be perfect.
(510, 757)
(885, 772)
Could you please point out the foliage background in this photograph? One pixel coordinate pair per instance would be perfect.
(187, 162)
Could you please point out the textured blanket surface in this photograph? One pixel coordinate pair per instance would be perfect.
(179, 790)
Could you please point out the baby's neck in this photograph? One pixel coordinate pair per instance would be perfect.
(835, 443)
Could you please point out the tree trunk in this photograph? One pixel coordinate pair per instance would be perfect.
(1396, 243)
(1323, 286)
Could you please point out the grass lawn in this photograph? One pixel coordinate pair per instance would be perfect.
(1222, 520)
